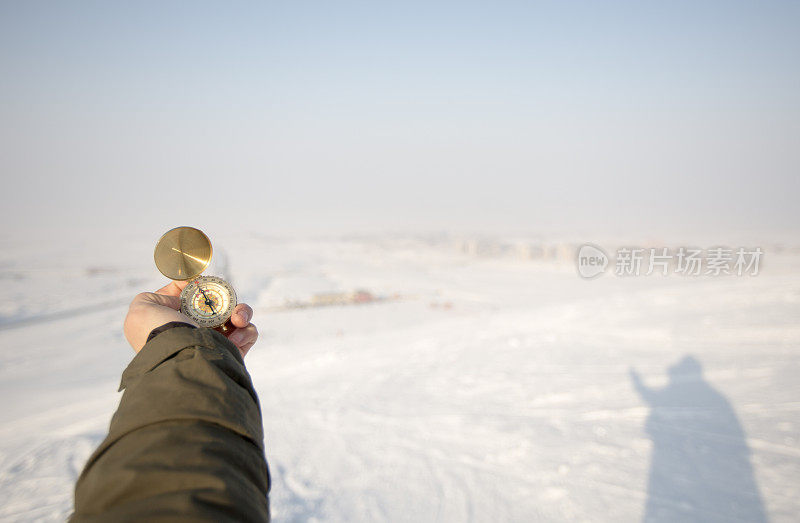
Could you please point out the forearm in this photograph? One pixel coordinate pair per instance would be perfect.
(186, 439)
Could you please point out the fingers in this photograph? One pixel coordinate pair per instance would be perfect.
(246, 334)
(149, 310)
(244, 338)
(151, 298)
(173, 302)
(173, 288)
(168, 295)
(242, 314)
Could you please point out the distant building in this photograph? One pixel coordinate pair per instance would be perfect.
(362, 296)
(342, 298)
(328, 298)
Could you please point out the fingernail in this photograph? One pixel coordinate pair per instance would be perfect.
(243, 316)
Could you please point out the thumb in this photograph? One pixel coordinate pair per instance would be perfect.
(164, 300)
(173, 288)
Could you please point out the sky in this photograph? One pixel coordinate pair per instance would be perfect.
(287, 117)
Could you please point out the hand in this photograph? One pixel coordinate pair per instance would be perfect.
(149, 310)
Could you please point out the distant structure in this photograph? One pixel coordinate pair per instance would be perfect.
(342, 298)
(519, 249)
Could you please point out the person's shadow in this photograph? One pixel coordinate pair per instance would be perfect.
(700, 468)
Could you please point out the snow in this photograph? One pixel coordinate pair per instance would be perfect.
(515, 402)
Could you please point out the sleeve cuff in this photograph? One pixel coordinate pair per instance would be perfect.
(167, 326)
(171, 341)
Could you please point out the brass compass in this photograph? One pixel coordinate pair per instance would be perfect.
(182, 254)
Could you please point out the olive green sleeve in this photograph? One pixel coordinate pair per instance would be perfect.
(186, 441)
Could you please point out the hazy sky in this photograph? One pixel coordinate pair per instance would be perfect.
(336, 116)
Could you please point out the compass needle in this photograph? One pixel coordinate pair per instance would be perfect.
(208, 300)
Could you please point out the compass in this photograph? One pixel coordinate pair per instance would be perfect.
(208, 300)
(182, 254)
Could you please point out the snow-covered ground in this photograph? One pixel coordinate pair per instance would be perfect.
(488, 389)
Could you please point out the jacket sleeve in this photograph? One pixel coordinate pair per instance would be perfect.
(186, 441)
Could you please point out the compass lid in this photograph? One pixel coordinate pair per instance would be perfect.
(182, 253)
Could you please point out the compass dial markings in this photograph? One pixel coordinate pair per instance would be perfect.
(208, 300)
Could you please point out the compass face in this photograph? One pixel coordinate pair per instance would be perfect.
(208, 300)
